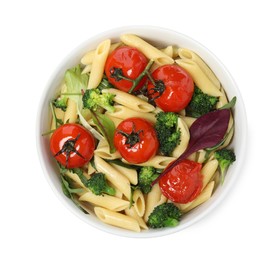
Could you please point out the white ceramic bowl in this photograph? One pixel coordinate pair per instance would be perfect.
(159, 37)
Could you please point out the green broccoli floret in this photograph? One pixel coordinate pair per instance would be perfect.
(93, 98)
(225, 158)
(168, 133)
(61, 102)
(164, 215)
(146, 176)
(98, 185)
(200, 103)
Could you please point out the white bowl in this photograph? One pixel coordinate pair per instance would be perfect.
(159, 37)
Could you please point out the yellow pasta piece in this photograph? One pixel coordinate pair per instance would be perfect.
(147, 49)
(199, 77)
(132, 213)
(139, 202)
(187, 54)
(106, 201)
(71, 112)
(130, 101)
(117, 219)
(99, 58)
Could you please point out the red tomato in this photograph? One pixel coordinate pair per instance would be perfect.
(136, 140)
(128, 62)
(173, 88)
(183, 183)
(72, 145)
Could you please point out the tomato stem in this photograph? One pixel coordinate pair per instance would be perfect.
(132, 138)
(68, 148)
(139, 78)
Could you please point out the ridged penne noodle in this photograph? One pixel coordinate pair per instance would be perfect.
(139, 202)
(103, 151)
(189, 121)
(158, 161)
(123, 112)
(87, 59)
(203, 197)
(130, 101)
(153, 199)
(71, 112)
(131, 174)
(76, 179)
(169, 51)
(87, 69)
(105, 201)
(117, 219)
(222, 99)
(59, 114)
(132, 213)
(185, 136)
(201, 156)
(208, 171)
(147, 49)
(199, 77)
(99, 58)
(90, 169)
(187, 54)
(114, 176)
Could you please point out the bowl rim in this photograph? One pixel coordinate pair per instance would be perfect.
(160, 232)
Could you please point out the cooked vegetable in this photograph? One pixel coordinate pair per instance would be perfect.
(170, 87)
(167, 132)
(146, 176)
(98, 185)
(72, 145)
(135, 139)
(207, 131)
(164, 215)
(183, 183)
(225, 158)
(93, 99)
(61, 102)
(200, 103)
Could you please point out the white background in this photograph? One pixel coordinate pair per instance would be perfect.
(36, 35)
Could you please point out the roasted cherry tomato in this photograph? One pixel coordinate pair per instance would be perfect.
(173, 88)
(136, 140)
(72, 145)
(183, 183)
(125, 62)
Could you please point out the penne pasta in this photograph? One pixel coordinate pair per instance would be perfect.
(87, 59)
(123, 112)
(154, 198)
(114, 176)
(99, 58)
(105, 201)
(158, 161)
(147, 49)
(130, 101)
(132, 213)
(187, 54)
(185, 136)
(131, 174)
(71, 112)
(117, 219)
(139, 202)
(203, 197)
(199, 77)
(208, 171)
(189, 121)
(103, 151)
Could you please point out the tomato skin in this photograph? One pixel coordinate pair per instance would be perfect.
(179, 88)
(183, 183)
(143, 150)
(131, 61)
(85, 145)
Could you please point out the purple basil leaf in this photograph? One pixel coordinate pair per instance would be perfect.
(207, 131)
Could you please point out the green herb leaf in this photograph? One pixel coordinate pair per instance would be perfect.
(106, 127)
(229, 105)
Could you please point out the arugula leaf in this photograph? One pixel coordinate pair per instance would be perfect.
(107, 128)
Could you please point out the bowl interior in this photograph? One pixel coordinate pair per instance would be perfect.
(159, 37)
